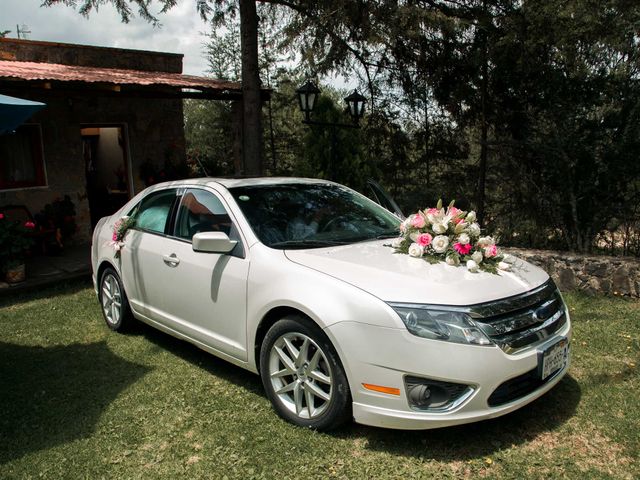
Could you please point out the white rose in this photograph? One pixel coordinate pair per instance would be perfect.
(486, 241)
(472, 266)
(452, 260)
(440, 243)
(504, 266)
(463, 239)
(416, 250)
(439, 227)
(477, 257)
(397, 242)
(471, 216)
(474, 229)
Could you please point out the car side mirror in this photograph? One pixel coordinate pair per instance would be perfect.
(212, 242)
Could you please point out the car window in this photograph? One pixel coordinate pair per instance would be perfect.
(201, 211)
(312, 215)
(153, 213)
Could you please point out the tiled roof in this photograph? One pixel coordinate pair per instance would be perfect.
(115, 76)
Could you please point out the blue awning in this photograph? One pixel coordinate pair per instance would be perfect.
(15, 111)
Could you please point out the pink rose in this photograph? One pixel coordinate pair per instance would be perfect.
(29, 224)
(462, 249)
(458, 220)
(114, 237)
(1, 216)
(424, 239)
(454, 211)
(490, 251)
(417, 221)
(432, 211)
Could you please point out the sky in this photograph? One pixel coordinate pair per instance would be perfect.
(181, 30)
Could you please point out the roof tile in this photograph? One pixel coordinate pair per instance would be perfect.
(116, 76)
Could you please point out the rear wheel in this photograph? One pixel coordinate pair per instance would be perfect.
(113, 299)
(303, 376)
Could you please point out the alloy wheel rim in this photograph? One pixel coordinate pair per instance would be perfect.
(111, 299)
(300, 375)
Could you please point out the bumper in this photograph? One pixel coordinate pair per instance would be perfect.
(384, 356)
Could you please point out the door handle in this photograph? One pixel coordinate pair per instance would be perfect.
(171, 260)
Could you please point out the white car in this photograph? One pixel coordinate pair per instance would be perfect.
(294, 279)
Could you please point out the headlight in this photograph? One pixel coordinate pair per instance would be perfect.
(447, 325)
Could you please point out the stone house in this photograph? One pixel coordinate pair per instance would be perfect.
(113, 123)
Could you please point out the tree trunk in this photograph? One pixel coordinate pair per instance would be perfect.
(251, 101)
(236, 115)
(482, 174)
(575, 222)
(426, 139)
(272, 141)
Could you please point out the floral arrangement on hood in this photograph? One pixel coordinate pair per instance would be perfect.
(449, 235)
(119, 230)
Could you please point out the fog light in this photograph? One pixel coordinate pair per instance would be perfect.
(435, 395)
(420, 395)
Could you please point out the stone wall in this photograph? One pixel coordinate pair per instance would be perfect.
(589, 273)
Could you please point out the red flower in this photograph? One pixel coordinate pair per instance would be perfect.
(29, 224)
(462, 249)
(1, 216)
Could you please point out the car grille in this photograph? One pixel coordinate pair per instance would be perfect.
(518, 387)
(517, 322)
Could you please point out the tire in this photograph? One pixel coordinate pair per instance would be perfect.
(303, 376)
(113, 300)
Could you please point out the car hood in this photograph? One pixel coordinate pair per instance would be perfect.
(393, 277)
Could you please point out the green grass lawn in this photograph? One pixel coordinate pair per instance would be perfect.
(78, 401)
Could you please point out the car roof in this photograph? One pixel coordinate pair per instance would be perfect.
(248, 181)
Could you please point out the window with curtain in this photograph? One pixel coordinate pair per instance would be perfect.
(22, 159)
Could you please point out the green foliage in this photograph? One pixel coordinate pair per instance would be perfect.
(209, 135)
(15, 240)
(547, 92)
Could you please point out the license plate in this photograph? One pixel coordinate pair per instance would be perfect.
(555, 358)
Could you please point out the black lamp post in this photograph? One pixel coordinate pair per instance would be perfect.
(356, 103)
(308, 97)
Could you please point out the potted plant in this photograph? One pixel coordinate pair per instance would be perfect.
(15, 241)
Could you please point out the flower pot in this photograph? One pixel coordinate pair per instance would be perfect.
(16, 274)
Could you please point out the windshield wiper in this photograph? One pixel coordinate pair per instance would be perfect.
(306, 243)
(388, 234)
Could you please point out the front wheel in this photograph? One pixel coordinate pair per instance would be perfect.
(303, 376)
(113, 299)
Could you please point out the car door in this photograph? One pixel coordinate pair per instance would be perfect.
(142, 266)
(205, 293)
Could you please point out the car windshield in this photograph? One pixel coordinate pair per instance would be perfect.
(312, 215)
